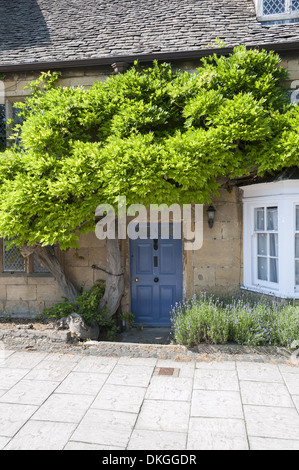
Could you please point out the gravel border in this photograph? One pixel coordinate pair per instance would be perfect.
(52, 340)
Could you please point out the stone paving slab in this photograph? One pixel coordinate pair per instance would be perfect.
(73, 399)
(55, 394)
(217, 434)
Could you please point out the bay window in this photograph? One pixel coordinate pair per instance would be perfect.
(271, 238)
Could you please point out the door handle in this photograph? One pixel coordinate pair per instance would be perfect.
(136, 279)
(156, 279)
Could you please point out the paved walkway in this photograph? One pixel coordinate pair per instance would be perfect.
(64, 400)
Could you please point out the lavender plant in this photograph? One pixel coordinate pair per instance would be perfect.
(208, 319)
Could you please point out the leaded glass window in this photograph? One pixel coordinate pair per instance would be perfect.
(286, 8)
(13, 261)
(295, 5)
(274, 7)
(37, 267)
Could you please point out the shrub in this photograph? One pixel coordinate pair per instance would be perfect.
(287, 325)
(87, 306)
(59, 310)
(195, 322)
(245, 321)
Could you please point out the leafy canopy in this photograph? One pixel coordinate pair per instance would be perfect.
(154, 135)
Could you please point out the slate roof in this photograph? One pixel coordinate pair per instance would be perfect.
(33, 31)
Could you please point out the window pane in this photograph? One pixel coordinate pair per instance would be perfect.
(262, 270)
(13, 260)
(273, 270)
(273, 7)
(262, 244)
(297, 218)
(16, 116)
(295, 5)
(297, 272)
(259, 219)
(17, 120)
(37, 267)
(272, 218)
(273, 244)
(297, 245)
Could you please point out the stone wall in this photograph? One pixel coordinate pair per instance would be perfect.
(218, 265)
(291, 63)
(26, 295)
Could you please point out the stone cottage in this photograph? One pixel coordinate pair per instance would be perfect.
(254, 240)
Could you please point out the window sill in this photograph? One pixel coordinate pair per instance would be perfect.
(287, 17)
(281, 21)
(270, 292)
(23, 274)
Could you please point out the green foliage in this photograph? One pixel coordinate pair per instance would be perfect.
(153, 135)
(247, 71)
(216, 43)
(287, 325)
(208, 319)
(199, 322)
(59, 310)
(128, 318)
(86, 305)
(46, 81)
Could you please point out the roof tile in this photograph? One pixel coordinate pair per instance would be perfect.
(31, 30)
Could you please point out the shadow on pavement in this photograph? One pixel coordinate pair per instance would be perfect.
(146, 336)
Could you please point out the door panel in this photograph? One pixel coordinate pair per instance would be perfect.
(144, 301)
(167, 298)
(144, 258)
(167, 258)
(156, 279)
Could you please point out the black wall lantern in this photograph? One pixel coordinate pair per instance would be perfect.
(211, 215)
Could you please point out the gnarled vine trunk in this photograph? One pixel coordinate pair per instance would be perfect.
(49, 261)
(115, 278)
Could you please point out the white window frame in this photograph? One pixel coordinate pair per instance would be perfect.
(257, 281)
(288, 15)
(285, 196)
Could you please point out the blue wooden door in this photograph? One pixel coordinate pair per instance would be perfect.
(156, 279)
